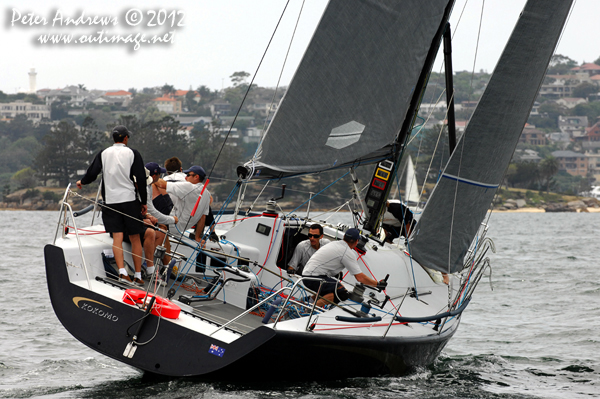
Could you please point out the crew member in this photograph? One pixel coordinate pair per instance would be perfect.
(330, 260)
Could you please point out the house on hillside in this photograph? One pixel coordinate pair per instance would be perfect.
(575, 126)
(533, 136)
(574, 163)
(35, 112)
(589, 69)
(526, 155)
(219, 107)
(590, 141)
(119, 98)
(570, 102)
(168, 105)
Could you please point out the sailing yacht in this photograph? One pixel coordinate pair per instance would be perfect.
(353, 101)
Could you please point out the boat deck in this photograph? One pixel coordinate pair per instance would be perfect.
(214, 311)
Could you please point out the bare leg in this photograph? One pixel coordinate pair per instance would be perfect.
(136, 250)
(118, 249)
(149, 246)
(323, 301)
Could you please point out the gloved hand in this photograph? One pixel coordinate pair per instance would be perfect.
(381, 284)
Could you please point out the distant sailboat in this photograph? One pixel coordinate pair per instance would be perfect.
(411, 192)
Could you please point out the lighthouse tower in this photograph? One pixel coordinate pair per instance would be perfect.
(32, 75)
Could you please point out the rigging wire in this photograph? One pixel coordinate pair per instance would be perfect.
(247, 91)
(279, 81)
(460, 159)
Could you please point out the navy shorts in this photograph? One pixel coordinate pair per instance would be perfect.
(123, 217)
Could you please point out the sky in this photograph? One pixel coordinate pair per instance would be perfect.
(206, 41)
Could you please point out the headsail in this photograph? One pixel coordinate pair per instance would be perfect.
(351, 92)
(460, 200)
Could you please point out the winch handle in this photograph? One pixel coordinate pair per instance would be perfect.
(282, 193)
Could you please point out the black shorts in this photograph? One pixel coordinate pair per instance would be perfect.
(328, 285)
(123, 217)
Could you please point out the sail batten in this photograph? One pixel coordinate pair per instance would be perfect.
(350, 95)
(461, 199)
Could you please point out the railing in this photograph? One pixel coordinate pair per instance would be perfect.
(66, 208)
(264, 301)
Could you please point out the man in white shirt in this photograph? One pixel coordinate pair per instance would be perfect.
(305, 249)
(123, 180)
(329, 261)
(186, 194)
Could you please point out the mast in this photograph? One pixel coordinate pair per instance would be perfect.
(377, 195)
(449, 89)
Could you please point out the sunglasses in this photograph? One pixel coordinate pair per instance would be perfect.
(314, 235)
(191, 174)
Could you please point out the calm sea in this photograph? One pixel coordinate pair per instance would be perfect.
(535, 335)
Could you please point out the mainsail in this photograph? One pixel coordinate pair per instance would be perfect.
(351, 92)
(462, 196)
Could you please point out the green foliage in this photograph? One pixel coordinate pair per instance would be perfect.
(560, 65)
(63, 154)
(31, 193)
(25, 178)
(584, 90)
(51, 196)
(238, 78)
(167, 89)
(157, 140)
(59, 109)
(591, 110)
(570, 185)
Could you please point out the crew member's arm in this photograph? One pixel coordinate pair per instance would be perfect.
(92, 171)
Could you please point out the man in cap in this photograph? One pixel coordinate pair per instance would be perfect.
(329, 261)
(123, 181)
(186, 193)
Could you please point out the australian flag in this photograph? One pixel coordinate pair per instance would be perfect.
(216, 350)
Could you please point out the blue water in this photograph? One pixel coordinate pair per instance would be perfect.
(536, 335)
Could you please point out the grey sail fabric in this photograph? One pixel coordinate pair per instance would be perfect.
(350, 94)
(462, 196)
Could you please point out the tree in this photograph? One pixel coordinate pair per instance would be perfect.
(25, 178)
(560, 65)
(591, 110)
(238, 78)
(82, 86)
(167, 89)
(62, 156)
(140, 102)
(18, 128)
(92, 139)
(157, 140)
(584, 90)
(597, 62)
(547, 169)
(59, 109)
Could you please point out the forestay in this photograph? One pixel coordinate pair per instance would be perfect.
(462, 196)
(351, 92)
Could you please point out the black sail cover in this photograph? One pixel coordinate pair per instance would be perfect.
(351, 92)
(459, 202)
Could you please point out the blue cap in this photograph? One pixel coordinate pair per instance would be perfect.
(352, 234)
(197, 170)
(155, 168)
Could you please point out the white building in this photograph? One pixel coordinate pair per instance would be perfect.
(35, 112)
